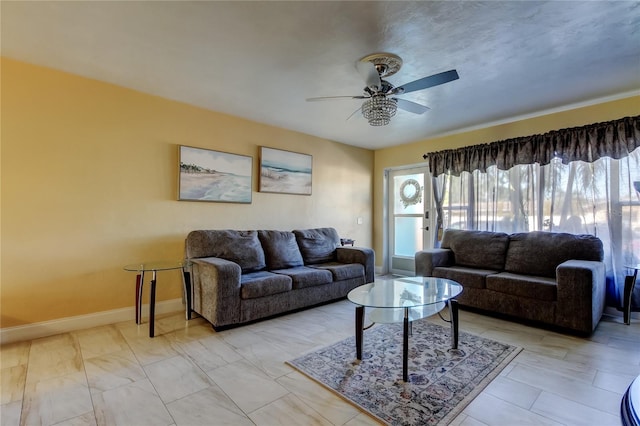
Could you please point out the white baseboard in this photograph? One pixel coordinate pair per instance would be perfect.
(65, 325)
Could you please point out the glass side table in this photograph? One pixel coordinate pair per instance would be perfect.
(629, 284)
(154, 267)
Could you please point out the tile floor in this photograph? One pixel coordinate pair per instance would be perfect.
(191, 375)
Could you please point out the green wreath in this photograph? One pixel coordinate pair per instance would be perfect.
(412, 198)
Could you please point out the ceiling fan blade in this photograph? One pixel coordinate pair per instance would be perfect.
(370, 75)
(331, 98)
(411, 106)
(426, 82)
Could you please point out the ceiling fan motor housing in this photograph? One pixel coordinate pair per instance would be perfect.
(385, 88)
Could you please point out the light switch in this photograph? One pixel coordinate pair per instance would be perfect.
(359, 221)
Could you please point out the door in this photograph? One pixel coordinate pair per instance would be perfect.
(409, 217)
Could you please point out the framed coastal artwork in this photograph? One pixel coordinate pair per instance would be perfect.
(285, 171)
(207, 175)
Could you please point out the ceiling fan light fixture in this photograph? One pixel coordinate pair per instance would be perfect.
(379, 109)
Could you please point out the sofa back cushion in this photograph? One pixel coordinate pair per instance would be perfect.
(477, 249)
(317, 245)
(280, 249)
(539, 253)
(241, 247)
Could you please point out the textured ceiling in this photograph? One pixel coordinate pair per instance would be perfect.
(261, 60)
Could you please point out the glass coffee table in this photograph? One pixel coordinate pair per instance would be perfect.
(405, 300)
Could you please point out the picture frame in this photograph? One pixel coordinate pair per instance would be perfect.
(214, 176)
(285, 172)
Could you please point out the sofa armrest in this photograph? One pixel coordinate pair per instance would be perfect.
(216, 290)
(364, 256)
(427, 260)
(581, 294)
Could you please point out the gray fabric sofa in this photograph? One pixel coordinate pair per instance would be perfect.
(242, 276)
(552, 278)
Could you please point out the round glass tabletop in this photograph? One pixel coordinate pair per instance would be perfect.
(162, 265)
(408, 292)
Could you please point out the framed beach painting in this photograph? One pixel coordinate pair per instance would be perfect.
(207, 175)
(285, 171)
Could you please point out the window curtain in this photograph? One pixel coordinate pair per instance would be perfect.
(578, 180)
(438, 184)
(615, 139)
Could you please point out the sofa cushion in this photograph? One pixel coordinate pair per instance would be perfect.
(263, 283)
(241, 247)
(343, 271)
(539, 288)
(539, 253)
(303, 276)
(317, 245)
(477, 249)
(280, 249)
(467, 277)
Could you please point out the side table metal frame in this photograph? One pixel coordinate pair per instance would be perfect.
(629, 285)
(186, 284)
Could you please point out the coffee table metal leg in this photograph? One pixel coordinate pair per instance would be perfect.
(453, 311)
(405, 345)
(359, 330)
(152, 306)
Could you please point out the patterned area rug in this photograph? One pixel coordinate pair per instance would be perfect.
(442, 381)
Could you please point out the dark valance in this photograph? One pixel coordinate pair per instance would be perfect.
(615, 139)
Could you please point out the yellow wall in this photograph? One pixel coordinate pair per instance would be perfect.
(89, 184)
(411, 154)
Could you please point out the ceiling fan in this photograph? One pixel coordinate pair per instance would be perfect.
(380, 102)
